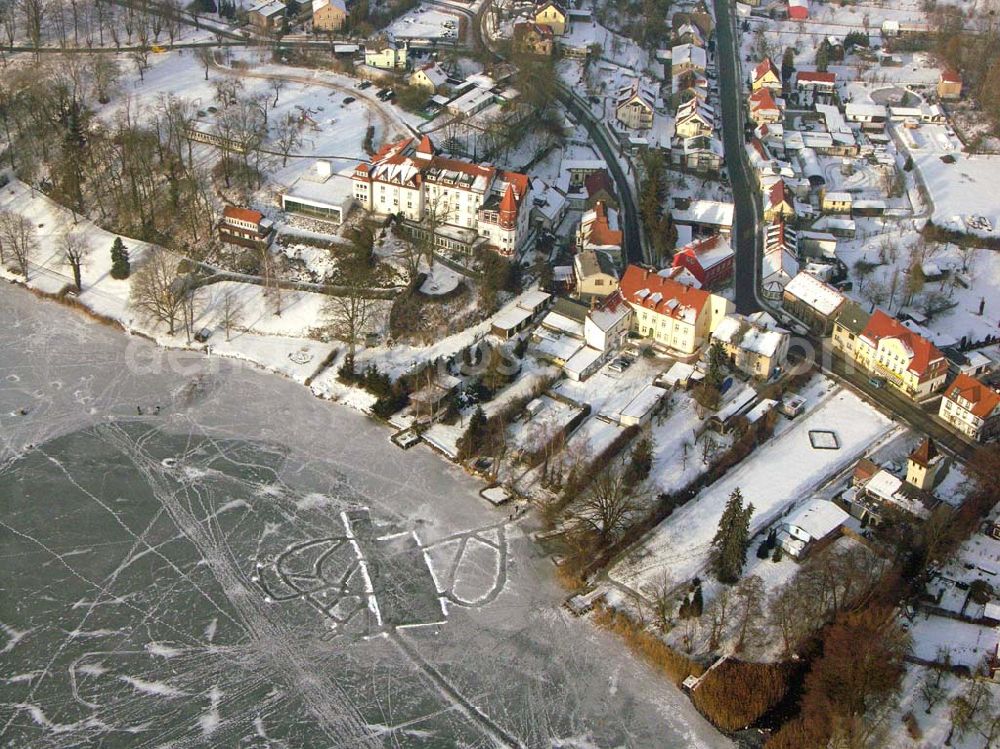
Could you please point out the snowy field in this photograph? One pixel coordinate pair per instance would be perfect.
(783, 471)
(426, 23)
(207, 573)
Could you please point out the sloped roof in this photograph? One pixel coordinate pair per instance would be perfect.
(762, 99)
(984, 399)
(815, 76)
(763, 67)
(926, 452)
(646, 288)
(242, 214)
(709, 251)
(922, 351)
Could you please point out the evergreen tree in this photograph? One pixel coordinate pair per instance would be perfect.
(642, 461)
(716, 365)
(729, 547)
(697, 603)
(788, 65)
(472, 441)
(120, 267)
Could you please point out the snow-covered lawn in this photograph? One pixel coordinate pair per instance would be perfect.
(780, 473)
(966, 644)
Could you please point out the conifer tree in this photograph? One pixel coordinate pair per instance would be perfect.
(729, 547)
(472, 441)
(120, 266)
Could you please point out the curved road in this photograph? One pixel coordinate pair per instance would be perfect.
(633, 247)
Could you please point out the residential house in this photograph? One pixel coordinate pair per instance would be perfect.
(430, 77)
(813, 302)
(534, 39)
(701, 154)
(766, 75)
(687, 58)
(778, 202)
(848, 326)
(689, 33)
(635, 107)
(608, 323)
(871, 117)
(906, 360)
(837, 202)
(798, 10)
(600, 230)
(268, 16)
(710, 260)
(763, 107)
(757, 348)
(328, 15)
(692, 119)
(554, 16)
(972, 408)
(677, 317)
(600, 188)
(595, 273)
(811, 526)
(384, 52)
(703, 216)
(245, 227)
(949, 86)
(780, 263)
(813, 86)
(466, 205)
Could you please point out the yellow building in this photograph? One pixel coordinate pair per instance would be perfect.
(905, 360)
(328, 15)
(677, 317)
(837, 202)
(765, 75)
(554, 16)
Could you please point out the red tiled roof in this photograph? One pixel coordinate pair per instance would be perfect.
(762, 99)
(926, 452)
(242, 214)
(519, 182)
(701, 248)
(984, 399)
(777, 194)
(662, 291)
(763, 67)
(815, 76)
(951, 76)
(881, 325)
(601, 232)
(425, 146)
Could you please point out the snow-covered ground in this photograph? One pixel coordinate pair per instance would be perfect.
(783, 471)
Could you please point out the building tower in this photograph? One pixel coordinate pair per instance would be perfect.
(922, 466)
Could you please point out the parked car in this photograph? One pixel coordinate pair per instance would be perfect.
(620, 364)
(348, 99)
(203, 335)
(877, 382)
(364, 84)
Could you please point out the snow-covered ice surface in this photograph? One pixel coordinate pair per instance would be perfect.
(247, 565)
(785, 470)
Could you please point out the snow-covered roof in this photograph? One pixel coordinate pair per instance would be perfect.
(884, 485)
(758, 340)
(712, 212)
(817, 517)
(582, 360)
(644, 402)
(818, 295)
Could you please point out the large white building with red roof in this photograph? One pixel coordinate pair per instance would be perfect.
(905, 359)
(710, 260)
(677, 317)
(469, 205)
(972, 408)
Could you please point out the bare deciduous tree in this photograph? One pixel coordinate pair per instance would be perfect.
(17, 237)
(231, 313)
(607, 505)
(75, 250)
(158, 293)
(750, 595)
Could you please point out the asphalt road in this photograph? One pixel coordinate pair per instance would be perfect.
(628, 214)
(746, 233)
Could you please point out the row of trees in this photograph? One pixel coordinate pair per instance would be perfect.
(89, 23)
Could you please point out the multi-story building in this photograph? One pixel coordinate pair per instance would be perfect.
(677, 317)
(328, 15)
(384, 52)
(466, 205)
(813, 302)
(755, 345)
(904, 359)
(972, 408)
(710, 260)
(634, 107)
(692, 119)
(553, 15)
(600, 230)
(763, 107)
(766, 75)
(534, 39)
(245, 227)
(595, 273)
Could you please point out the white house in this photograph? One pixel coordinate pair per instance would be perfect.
(812, 523)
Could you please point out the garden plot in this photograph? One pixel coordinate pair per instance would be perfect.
(425, 23)
(677, 453)
(608, 392)
(966, 644)
(783, 471)
(552, 417)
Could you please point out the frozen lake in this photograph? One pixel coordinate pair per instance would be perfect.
(245, 565)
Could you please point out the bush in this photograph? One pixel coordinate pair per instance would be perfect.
(647, 645)
(735, 694)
